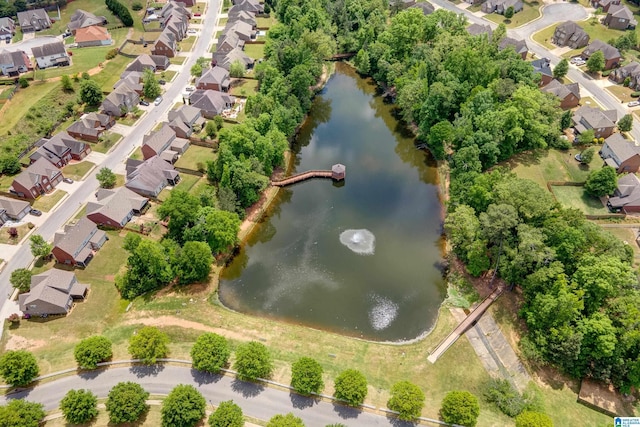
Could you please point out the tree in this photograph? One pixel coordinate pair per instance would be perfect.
(587, 155)
(210, 353)
(587, 137)
(253, 361)
(21, 279)
(211, 129)
(351, 387)
(182, 210)
(508, 14)
(106, 178)
(23, 82)
(218, 228)
(151, 88)
(288, 420)
(18, 367)
(228, 414)
(440, 136)
(533, 419)
(602, 182)
(193, 263)
(148, 345)
(460, 407)
(131, 241)
(236, 69)
(184, 407)
(306, 376)
(148, 269)
(566, 120)
(21, 413)
(196, 70)
(407, 399)
(126, 402)
(90, 92)
(79, 406)
(67, 84)
(39, 247)
(595, 62)
(91, 351)
(561, 69)
(625, 123)
(10, 164)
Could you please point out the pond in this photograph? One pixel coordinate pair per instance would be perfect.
(359, 257)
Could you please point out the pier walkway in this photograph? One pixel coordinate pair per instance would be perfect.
(337, 173)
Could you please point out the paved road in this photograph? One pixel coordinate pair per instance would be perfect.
(256, 401)
(86, 188)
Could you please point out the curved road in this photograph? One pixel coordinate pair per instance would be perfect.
(552, 14)
(255, 400)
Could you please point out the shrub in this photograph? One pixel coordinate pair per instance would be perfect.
(126, 402)
(91, 351)
(351, 386)
(148, 345)
(112, 53)
(253, 361)
(306, 376)
(184, 407)
(288, 420)
(136, 5)
(228, 414)
(23, 82)
(460, 407)
(407, 399)
(20, 277)
(606, 73)
(210, 353)
(533, 419)
(505, 396)
(79, 406)
(21, 413)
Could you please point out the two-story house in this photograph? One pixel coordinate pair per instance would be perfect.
(570, 34)
(51, 55)
(38, 178)
(621, 154)
(603, 123)
(76, 244)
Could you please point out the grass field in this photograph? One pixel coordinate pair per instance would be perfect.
(97, 8)
(244, 87)
(529, 12)
(22, 101)
(5, 237)
(266, 22)
(187, 44)
(186, 183)
(77, 171)
(544, 37)
(109, 140)
(111, 71)
(83, 59)
(46, 202)
(577, 197)
(137, 154)
(194, 155)
(255, 51)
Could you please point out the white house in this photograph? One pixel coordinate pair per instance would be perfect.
(50, 55)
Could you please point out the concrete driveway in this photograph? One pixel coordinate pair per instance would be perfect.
(30, 43)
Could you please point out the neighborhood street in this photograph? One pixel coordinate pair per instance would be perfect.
(255, 400)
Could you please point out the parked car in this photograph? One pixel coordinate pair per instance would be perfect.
(578, 157)
(162, 82)
(35, 212)
(143, 102)
(633, 104)
(67, 180)
(158, 100)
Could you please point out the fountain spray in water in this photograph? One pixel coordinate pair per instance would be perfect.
(383, 312)
(362, 241)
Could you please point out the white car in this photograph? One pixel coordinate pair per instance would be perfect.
(158, 100)
(633, 104)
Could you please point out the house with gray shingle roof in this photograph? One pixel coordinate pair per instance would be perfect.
(211, 103)
(225, 60)
(626, 198)
(630, 71)
(12, 209)
(183, 119)
(542, 67)
(120, 101)
(82, 19)
(570, 34)
(619, 17)
(152, 62)
(158, 141)
(603, 123)
(216, 78)
(228, 42)
(76, 244)
(115, 208)
(14, 63)
(91, 126)
(621, 154)
(33, 20)
(38, 178)
(51, 55)
(243, 30)
(500, 6)
(612, 56)
(568, 94)
(426, 7)
(519, 46)
(52, 293)
(7, 28)
(480, 29)
(244, 16)
(60, 149)
(252, 6)
(149, 177)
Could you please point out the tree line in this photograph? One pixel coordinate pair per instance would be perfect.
(121, 11)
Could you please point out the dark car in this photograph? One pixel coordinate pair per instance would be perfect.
(145, 103)
(35, 212)
(162, 82)
(68, 180)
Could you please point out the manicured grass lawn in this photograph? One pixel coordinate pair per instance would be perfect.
(621, 92)
(195, 21)
(187, 44)
(577, 197)
(5, 237)
(595, 29)
(109, 140)
(46, 202)
(137, 154)
(187, 182)
(544, 37)
(266, 22)
(223, 21)
(83, 59)
(199, 7)
(529, 12)
(168, 75)
(255, 51)
(587, 100)
(178, 60)
(194, 155)
(127, 120)
(137, 49)
(110, 74)
(97, 8)
(244, 87)
(77, 171)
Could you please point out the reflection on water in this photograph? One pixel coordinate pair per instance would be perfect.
(305, 262)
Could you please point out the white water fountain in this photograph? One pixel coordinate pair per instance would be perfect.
(362, 241)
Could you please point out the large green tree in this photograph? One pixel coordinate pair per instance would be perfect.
(21, 413)
(184, 407)
(79, 406)
(253, 361)
(602, 182)
(227, 414)
(216, 227)
(126, 402)
(106, 178)
(625, 123)
(18, 367)
(39, 247)
(351, 386)
(306, 376)
(149, 344)
(91, 351)
(460, 407)
(193, 263)
(21, 279)
(90, 92)
(150, 88)
(407, 399)
(561, 70)
(596, 62)
(182, 210)
(210, 353)
(148, 269)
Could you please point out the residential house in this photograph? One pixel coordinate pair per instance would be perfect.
(33, 20)
(82, 19)
(426, 7)
(90, 126)
(14, 63)
(12, 209)
(51, 55)
(51, 293)
(242, 15)
(519, 46)
(165, 45)
(93, 36)
(243, 30)
(568, 94)
(603, 123)
(500, 6)
(252, 6)
(183, 119)
(7, 28)
(604, 4)
(157, 142)
(149, 177)
(120, 101)
(152, 62)
(626, 198)
(474, 2)
(177, 23)
(570, 34)
(480, 29)
(211, 103)
(216, 78)
(60, 149)
(630, 71)
(619, 17)
(76, 244)
(133, 81)
(173, 8)
(542, 67)
(229, 42)
(612, 56)
(38, 178)
(115, 208)
(225, 60)
(621, 154)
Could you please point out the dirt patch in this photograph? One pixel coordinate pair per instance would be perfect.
(174, 290)
(16, 342)
(110, 278)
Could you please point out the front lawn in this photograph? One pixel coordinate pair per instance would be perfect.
(109, 139)
(83, 59)
(194, 155)
(6, 238)
(77, 171)
(137, 154)
(577, 197)
(48, 201)
(529, 12)
(187, 44)
(255, 50)
(545, 35)
(177, 60)
(621, 92)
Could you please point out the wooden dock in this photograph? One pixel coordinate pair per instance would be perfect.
(337, 173)
(469, 321)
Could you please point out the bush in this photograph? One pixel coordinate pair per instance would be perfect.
(288, 420)
(351, 387)
(210, 353)
(606, 73)
(635, 94)
(18, 367)
(253, 361)
(20, 277)
(21, 413)
(602, 182)
(91, 351)
(120, 11)
(112, 53)
(228, 414)
(136, 5)
(407, 399)
(460, 407)
(148, 345)
(184, 407)
(506, 397)
(306, 376)
(560, 144)
(79, 406)
(126, 402)
(23, 82)
(533, 419)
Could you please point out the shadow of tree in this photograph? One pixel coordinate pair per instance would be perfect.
(141, 371)
(247, 389)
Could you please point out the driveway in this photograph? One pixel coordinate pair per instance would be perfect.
(254, 399)
(27, 44)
